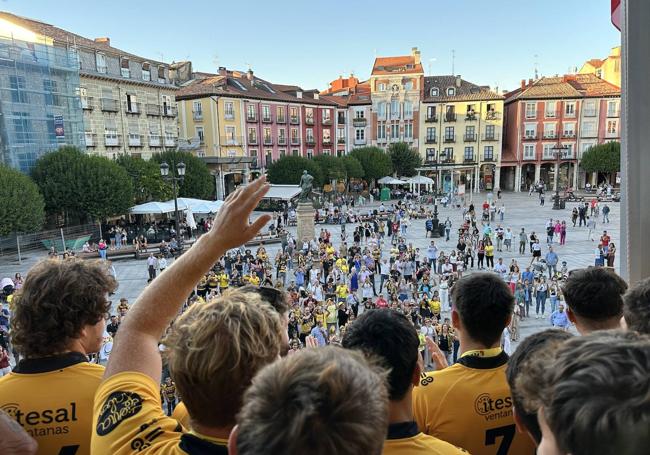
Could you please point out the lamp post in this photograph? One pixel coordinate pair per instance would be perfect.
(164, 172)
(559, 151)
(435, 221)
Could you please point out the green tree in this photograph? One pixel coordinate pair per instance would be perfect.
(145, 177)
(22, 208)
(288, 170)
(602, 158)
(82, 187)
(353, 168)
(198, 182)
(376, 164)
(404, 158)
(332, 168)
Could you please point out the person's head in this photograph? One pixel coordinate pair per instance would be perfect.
(594, 298)
(168, 380)
(636, 307)
(215, 349)
(483, 308)
(594, 397)
(318, 401)
(61, 307)
(278, 300)
(524, 367)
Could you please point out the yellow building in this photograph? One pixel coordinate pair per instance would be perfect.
(460, 134)
(608, 69)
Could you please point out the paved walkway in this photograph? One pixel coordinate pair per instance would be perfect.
(521, 211)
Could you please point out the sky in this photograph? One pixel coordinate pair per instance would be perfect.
(311, 42)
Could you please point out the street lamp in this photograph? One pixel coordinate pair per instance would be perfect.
(164, 172)
(559, 152)
(435, 221)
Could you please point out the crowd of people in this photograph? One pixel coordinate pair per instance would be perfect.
(372, 347)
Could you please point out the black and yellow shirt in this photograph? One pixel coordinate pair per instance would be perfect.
(181, 415)
(52, 399)
(405, 439)
(469, 405)
(129, 419)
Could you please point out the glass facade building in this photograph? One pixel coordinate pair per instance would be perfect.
(40, 108)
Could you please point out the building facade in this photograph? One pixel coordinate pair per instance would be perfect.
(550, 122)
(608, 69)
(395, 88)
(460, 134)
(39, 95)
(354, 108)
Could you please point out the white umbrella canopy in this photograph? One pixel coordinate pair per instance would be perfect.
(421, 180)
(188, 202)
(395, 181)
(152, 207)
(385, 180)
(207, 207)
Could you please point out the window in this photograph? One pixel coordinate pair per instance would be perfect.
(295, 152)
(251, 112)
(18, 93)
(22, 127)
(327, 115)
(451, 91)
(550, 130)
(229, 110)
(294, 135)
(408, 109)
(448, 153)
(359, 114)
(408, 130)
(488, 153)
(408, 85)
(469, 154)
(360, 134)
(50, 89)
(550, 109)
(449, 133)
(310, 135)
(529, 151)
(548, 151)
(283, 153)
(568, 152)
(569, 130)
(200, 134)
(197, 110)
(490, 132)
(327, 152)
(266, 113)
(530, 131)
(394, 130)
(83, 95)
(280, 114)
(310, 153)
(433, 92)
(161, 74)
(252, 135)
(131, 103)
(431, 134)
(531, 110)
(125, 71)
(612, 109)
(381, 110)
(585, 146)
(470, 109)
(100, 61)
(394, 109)
(470, 133)
(146, 72)
(230, 135)
(381, 131)
(569, 109)
(267, 136)
(431, 155)
(612, 127)
(268, 158)
(588, 128)
(381, 86)
(589, 108)
(293, 111)
(282, 136)
(431, 112)
(450, 112)
(309, 115)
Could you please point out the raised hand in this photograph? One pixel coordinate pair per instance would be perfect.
(437, 356)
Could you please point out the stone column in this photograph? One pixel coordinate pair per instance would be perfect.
(538, 168)
(517, 178)
(575, 176)
(556, 175)
(497, 178)
(305, 215)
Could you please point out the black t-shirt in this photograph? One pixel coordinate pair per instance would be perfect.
(112, 328)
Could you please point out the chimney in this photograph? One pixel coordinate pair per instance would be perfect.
(523, 84)
(530, 82)
(103, 40)
(222, 71)
(415, 53)
(458, 81)
(249, 74)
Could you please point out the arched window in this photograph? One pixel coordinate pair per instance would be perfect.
(451, 91)
(433, 91)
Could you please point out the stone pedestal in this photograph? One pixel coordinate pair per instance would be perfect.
(305, 215)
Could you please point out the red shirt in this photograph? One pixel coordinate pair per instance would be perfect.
(381, 303)
(605, 240)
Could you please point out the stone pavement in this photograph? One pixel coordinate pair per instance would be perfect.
(521, 211)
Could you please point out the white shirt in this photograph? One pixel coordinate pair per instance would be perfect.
(384, 268)
(501, 269)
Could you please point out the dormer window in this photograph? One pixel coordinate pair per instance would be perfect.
(433, 92)
(125, 71)
(451, 91)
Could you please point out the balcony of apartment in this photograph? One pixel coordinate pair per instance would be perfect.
(450, 117)
(612, 134)
(169, 111)
(550, 135)
(310, 140)
(90, 139)
(470, 137)
(110, 105)
(568, 135)
(431, 140)
(530, 137)
(431, 118)
(531, 115)
(490, 137)
(197, 115)
(340, 140)
(252, 139)
(327, 121)
(153, 110)
(327, 141)
(135, 140)
(447, 158)
(87, 103)
(309, 121)
(232, 140)
(470, 116)
(294, 120)
(492, 115)
(112, 139)
(282, 140)
(251, 117)
(469, 159)
(170, 141)
(449, 138)
(132, 108)
(268, 140)
(295, 141)
(489, 158)
(550, 114)
(359, 122)
(430, 160)
(229, 115)
(155, 140)
(361, 141)
(281, 119)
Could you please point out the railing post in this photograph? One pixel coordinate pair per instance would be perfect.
(63, 240)
(20, 258)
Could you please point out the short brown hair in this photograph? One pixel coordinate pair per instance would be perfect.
(57, 300)
(636, 307)
(318, 401)
(214, 350)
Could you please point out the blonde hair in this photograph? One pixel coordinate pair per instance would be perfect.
(215, 349)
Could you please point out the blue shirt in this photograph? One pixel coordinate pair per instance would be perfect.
(300, 278)
(530, 276)
(551, 258)
(317, 333)
(559, 319)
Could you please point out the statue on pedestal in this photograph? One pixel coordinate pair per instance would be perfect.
(306, 187)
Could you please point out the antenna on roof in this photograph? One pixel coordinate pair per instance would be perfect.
(431, 60)
(248, 65)
(536, 67)
(162, 57)
(453, 61)
(215, 60)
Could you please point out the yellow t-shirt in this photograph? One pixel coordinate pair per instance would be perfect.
(435, 306)
(405, 439)
(469, 405)
(489, 250)
(254, 280)
(129, 419)
(332, 314)
(342, 291)
(181, 415)
(52, 399)
(223, 280)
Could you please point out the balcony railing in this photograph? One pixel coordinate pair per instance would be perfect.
(111, 140)
(531, 115)
(153, 109)
(470, 116)
(90, 139)
(431, 119)
(135, 140)
(327, 121)
(268, 141)
(492, 115)
(197, 115)
(569, 135)
(110, 105)
(154, 140)
(431, 140)
(589, 112)
(232, 140)
(359, 122)
(266, 119)
(169, 111)
(295, 141)
(251, 117)
(340, 140)
(450, 117)
(489, 158)
(447, 159)
(170, 141)
(550, 114)
(550, 135)
(530, 137)
(252, 140)
(469, 159)
(282, 140)
(491, 137)
(132, 108)
(469, 137)
(294, 120)
(613, 112)
(448, 139)
(310, 141)
(229, 116)
(281, 119)
(359, 141)
(327, 141)
(309, 120)
(87, 103)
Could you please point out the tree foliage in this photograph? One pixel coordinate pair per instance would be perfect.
(332, 168)
(353, 167)
(376, 164)
(404, 158)
(22, 208)
(198, 182)
(82, 187)
(288, 170)
(602, 158)
(145, 177)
